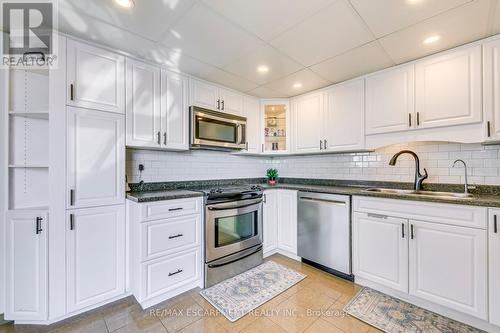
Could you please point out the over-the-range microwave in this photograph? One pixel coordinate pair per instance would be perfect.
(216, 130)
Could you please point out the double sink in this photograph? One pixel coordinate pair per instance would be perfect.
(433, 194)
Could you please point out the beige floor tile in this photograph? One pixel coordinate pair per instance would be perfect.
(322, 326)
(178, 315)
(292, 317)
(263, 325)
(238, 325)
(133, 327)
(205, 325)
(311, 299)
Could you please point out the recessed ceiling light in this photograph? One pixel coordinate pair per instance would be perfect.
(263, 69)
(297, 85)
(432, 39)
(125, 3)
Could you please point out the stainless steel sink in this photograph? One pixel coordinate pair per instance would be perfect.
(422, 193)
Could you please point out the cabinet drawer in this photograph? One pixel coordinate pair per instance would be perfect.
(165, 236)
(164, 274)
(170, 208)
(460, 215)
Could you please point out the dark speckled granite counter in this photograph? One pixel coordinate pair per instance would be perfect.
(486, 196)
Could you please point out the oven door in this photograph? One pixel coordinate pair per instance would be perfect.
(232, 227)
(217, 130)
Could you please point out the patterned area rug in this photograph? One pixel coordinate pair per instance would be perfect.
(392, 315)
(237, 296)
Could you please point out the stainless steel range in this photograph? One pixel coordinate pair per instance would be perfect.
(233, 231)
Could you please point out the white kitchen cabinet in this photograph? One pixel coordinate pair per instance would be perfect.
(307, 119)
(448, 266)
(275, 126)
(270, 220)
(174, 111)
(448, 88)
(96, 78)
(491, 86)
(95, 158)
(231, 101)
(380, 249)
(344, 117)
(494, 265)
(204, 95)
(390, 100)
(143, 105)
(95, 255)
(27, 265)
(251, 110)
(287, 221)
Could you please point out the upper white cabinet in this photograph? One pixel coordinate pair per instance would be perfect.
(95, 255)
(491, 86)
(275, 119)
(344, 117)
(210, 96)
(95, 158)
(380, 249)
(143, 105)
(96, 78)
(307, 120)
(270, 220)
(448, 266)
(390, 100)
(449, 88)
(251, 110)
(287, 221)
(494, 265)
(174, 111)
(26, 263)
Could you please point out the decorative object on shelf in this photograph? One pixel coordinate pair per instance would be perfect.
(272, 174)
(272, 122)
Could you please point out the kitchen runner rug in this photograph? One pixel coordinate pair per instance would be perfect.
(392, 315)
(237, 296)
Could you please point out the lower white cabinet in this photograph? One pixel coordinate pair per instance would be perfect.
(448, 266)
(165, 248)
(380, 249)
(270, 220)
(95, 255)
(280, 221)
(26, 263)
(494, 265)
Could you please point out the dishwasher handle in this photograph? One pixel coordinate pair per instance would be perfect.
(331, 202)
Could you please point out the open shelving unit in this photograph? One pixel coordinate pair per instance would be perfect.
(28, 147)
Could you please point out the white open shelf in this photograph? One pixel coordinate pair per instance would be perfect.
(28, 188)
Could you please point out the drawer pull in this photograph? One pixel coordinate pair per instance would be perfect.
(176, 272)
(412, 232)
(38, 226)
(175, 236)
(403, 230)
(495, 224)
(174, 209)
(377, 216)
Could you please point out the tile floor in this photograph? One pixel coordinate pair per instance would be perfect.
(313, 305)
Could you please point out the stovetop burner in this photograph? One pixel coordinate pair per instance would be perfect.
(232, 193)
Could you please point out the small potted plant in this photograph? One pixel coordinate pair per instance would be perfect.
(272, 174)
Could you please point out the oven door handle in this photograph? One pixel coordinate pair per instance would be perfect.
(215, 207)
(227, 262)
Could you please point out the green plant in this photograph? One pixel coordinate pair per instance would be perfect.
(272, 173)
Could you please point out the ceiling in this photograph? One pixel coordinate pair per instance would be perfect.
(303, 43)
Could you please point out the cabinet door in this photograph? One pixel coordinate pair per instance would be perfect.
(204, 95)
(95, 255)
(380, 250)
(390, 100)
(270, 220)
(95, 158)
(175, 111)
(26, 262)
(143, 105)
(448, 89)
(345, 117)
(287, 221)
(491, 76)
(96, 78)
(307, 117)
(231, 101)
(494, 265)
(448, 266)
(251, 110)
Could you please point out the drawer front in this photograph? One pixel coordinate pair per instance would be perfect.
(163, 237)
(165, 274)
(459, 215)
(170, 208)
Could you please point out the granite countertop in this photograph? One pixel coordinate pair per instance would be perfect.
(148, 196)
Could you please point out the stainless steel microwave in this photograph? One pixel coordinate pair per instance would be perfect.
(216, 130)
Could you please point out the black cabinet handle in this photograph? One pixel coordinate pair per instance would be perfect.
(165, 138)
(495, 224)
(71, 197)
(176, 272)
(175, 236)
(412, 232)
(222, 105)
(71, 92)
(218, 104)
(320, 144)
(159, 137)
(264, 198)
(38, 225)
(174, 209)
(409, 119)
(71, 222)
(418, 118)
(488, 126)
(403, 230)
(325, 142)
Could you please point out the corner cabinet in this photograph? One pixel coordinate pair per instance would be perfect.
(96, 78)
(276, 125)
(494, 264)
(26, 263)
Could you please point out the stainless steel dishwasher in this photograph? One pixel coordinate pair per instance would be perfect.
(324, 232)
